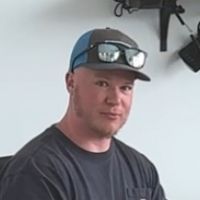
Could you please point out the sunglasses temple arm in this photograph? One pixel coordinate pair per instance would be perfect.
(80, 54)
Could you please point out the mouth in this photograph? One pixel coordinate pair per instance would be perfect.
(111, 115)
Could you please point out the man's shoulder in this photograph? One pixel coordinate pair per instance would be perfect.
(39, 143)
(38, 166)
(42, 149)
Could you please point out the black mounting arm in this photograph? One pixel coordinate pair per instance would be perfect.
(169, 7)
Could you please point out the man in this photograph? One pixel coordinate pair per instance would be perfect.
(79, 158)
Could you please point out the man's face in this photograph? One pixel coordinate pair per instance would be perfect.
(101, 100)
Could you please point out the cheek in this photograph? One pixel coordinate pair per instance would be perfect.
(95, 94)
(128, 104)
(91, 97)
(95, 99)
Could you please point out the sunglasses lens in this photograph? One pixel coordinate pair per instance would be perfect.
(135, 57)
(108, 52)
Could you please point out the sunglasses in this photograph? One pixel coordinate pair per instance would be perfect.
(111, 51)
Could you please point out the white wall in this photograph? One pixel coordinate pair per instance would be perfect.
(36, 38)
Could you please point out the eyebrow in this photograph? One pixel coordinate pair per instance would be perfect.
(104, 76)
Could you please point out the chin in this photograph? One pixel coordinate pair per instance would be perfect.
(107, 132)
(106, 129)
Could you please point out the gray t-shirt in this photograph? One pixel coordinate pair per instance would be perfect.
(52, 167)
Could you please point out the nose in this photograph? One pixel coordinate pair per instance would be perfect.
(113, 97)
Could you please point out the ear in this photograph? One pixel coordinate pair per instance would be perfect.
(69, 80)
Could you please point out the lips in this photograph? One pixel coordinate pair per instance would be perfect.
(111, 115)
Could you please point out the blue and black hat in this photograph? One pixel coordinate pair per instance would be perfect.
(90, 58)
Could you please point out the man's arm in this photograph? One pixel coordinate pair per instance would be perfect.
(26, 186)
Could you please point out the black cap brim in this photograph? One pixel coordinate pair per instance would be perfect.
(114, 66)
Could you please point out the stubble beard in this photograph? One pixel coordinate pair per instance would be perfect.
(96, 126)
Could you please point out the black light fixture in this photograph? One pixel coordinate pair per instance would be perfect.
(134, 5)
(190, 54)
(166, 7)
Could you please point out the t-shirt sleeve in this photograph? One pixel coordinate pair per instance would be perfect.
(34, 182)
(28, 187)
(157, 189)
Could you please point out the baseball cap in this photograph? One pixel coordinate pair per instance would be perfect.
(90, 59)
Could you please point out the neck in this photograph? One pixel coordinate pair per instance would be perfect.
(81, 136)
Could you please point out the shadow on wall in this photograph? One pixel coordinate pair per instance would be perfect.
(76, 10)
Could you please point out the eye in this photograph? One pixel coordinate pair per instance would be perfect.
(127, 88)
(102, 83)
